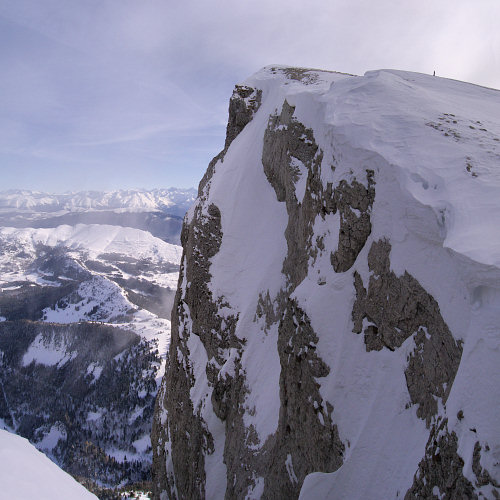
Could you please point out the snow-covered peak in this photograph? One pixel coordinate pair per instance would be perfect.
(444, 138)
(96, 239)
(441, 135)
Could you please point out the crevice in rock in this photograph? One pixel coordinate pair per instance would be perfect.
(242, 455)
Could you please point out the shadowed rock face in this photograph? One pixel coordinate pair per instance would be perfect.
(354, 229)
(195, 313)
(483, 476)
(183, 437)
(307, 439)
(440, 473)
(243, 104)
(212, 397)
(240, 455)
(397, 307)
(441, 469)
(290, 152)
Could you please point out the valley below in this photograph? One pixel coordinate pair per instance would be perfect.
(85, 301)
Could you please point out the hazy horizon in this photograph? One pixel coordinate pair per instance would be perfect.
(90, 190)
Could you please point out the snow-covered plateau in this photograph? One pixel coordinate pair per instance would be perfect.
(336, 330)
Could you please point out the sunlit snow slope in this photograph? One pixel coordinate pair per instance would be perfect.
(337, 330)
(25, 473)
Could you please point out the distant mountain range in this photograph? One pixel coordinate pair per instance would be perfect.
(173, 201)
(158, 211)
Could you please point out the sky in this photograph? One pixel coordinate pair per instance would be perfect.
(119, 94)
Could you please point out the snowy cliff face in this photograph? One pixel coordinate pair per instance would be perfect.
(335, 332)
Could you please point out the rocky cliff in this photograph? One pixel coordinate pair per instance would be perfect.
(335, 332)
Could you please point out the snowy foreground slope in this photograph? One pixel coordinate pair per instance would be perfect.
(336, 330)
(25, 473)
